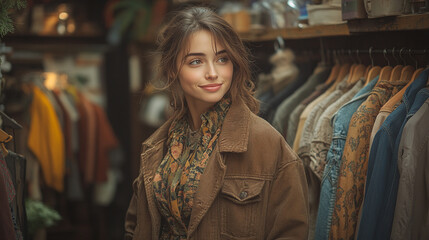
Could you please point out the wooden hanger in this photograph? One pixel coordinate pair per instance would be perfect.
(345, 69)
(372, 73)
(395, 75)
(407, 73)
(358, 72)
(334, 73)
(351, 71)
(4, 138)
(385, 73)
(417, 73)
(367, 71)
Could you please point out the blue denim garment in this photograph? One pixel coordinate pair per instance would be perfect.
(383, 176)
(340, 123)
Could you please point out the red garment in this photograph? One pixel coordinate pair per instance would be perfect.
(87, 133)
(106, 141)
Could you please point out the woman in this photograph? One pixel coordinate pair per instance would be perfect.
(214, 170)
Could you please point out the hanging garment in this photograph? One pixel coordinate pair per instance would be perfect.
(87, 139)
(411, 220)
(288, 105)
(106, 141)
(322, 136)
(389, 107)
(268, 107)
(16, 164)
(46, 140)
(340, 123)
(351, 180)
(382, 175)
(293, 122)
(71, 117)
(313, 116)
(7, 230)
(304, 115)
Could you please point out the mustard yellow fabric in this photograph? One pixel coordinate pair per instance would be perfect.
(46, 140)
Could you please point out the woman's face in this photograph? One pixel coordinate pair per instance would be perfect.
(206, 73)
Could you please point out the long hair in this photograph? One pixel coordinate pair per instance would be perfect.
(172, 40)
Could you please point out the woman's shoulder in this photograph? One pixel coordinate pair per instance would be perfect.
(260, 127)
(159, 135)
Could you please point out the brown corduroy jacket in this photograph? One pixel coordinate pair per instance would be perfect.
(253, 187)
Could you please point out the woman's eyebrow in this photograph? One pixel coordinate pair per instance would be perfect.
(202, 54)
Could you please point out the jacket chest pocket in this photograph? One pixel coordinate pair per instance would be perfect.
(241, 207)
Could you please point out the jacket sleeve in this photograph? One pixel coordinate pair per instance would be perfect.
(131, 215)
(288, 207)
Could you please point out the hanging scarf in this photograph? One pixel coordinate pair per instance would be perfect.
(178, 175)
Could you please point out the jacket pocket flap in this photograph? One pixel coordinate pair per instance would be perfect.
(242, 190)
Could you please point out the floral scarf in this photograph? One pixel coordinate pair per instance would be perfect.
(178, 175)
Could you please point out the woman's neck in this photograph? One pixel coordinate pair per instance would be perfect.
(195, 112)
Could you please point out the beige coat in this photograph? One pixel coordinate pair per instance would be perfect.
(253, 187)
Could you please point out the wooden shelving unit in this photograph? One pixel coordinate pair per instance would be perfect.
(385, 24)
(299, 33)
(400, 23)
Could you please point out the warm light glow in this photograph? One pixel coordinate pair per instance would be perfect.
(63, 16)
(71, 27)
(51, 79)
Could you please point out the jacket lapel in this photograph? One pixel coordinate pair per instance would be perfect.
(234, 136)
(152, 155)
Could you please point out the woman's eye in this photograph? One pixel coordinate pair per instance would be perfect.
(223, 60)
(195, 62)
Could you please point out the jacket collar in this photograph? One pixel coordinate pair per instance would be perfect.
(233, 137)
(235, 130)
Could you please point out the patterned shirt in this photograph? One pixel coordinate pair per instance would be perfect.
(352, 175)
(177, 178)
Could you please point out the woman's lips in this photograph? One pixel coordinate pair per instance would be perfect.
(211, 87)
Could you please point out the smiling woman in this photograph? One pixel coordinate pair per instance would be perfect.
(214, 170)
(205, 74)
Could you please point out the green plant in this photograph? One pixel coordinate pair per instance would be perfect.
(132, 18)
(6, 7)
(39, 215)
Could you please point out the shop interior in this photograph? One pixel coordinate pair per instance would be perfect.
(77, 98)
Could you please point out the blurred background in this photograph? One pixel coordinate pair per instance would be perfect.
(76, 102)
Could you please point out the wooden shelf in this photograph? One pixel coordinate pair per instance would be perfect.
(400, 23)
(55, 43)
(299, 33)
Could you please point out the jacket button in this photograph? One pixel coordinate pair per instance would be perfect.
(243, 195)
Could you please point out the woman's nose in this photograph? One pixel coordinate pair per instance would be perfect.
(211, 73)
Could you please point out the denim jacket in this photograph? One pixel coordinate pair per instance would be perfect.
(340, 123)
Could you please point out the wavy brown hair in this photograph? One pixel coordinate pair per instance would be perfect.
(173, 39)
